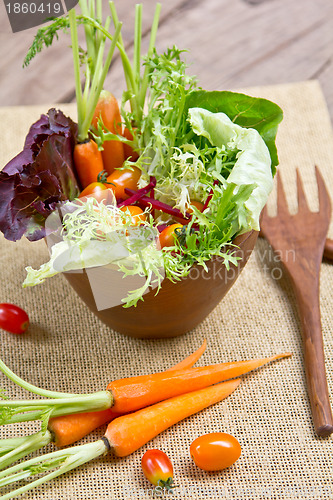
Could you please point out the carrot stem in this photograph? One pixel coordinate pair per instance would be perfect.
(76, 60)
(14, 449)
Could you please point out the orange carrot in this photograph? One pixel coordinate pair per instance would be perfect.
(129, 394)
(123, 436)
(191, 359)
(88, 162)
(127, 433)
(67, 429)
(107, 110)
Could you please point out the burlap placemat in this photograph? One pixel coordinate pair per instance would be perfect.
(68, 349)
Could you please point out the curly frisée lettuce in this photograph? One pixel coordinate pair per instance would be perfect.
(93, 233)
(252, 165)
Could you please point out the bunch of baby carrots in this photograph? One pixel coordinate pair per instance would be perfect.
(136, 409)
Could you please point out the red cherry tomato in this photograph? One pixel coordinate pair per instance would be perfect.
(157, 468)
(137, 215)
(215, 451)
(168, 235)
(13, 319)
(194, 203)
(125, 178)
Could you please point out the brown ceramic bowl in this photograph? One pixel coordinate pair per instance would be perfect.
(178, 307)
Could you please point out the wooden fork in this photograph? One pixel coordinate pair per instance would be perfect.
(300, 241)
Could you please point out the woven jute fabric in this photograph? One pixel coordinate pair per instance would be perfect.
(68, 349)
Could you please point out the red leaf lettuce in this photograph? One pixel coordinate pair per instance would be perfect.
(37, 179)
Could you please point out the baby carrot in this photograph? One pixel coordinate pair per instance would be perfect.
(129, 432)
(107, 110)
(88, 162)
(66, 429)
(123, 395)
(191, 359)
(129, 394)
(123, 436)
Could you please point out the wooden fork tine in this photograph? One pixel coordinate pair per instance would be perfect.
(302, 203)
(324, 198)
(282, 205)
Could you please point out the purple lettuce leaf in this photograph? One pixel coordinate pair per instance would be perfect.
(39, 178)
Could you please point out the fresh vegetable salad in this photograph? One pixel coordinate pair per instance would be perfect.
(154, 184)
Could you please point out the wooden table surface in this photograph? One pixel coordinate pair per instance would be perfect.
(232, 43)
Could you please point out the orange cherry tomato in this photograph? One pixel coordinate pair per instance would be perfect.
(196, 204)
(137, 215)
(125, 178)
(13, 319)
(157, 468)
(168, 235)
(98, 188)
(215, 451)
(95, 188)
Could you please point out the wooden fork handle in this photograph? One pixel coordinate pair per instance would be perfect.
(309, 308)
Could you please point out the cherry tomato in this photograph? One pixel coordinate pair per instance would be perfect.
(215, 451)
(138, 216)
(194, 203)
(168, 235)
(157, 468)
(95, 188)
(125, 178)
(13, 319)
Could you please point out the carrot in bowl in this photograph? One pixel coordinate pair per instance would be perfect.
(107, 110)
(123, 436)
(88, 162)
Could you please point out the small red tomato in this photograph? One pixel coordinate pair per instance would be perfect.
(168, 235)
(13, 319)
(158, 469)
(215, 451)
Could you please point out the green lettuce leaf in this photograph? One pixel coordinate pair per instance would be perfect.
(253, 164)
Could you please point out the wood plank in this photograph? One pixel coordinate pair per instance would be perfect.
(241, 44)
(232, 44)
